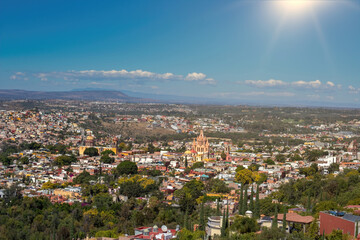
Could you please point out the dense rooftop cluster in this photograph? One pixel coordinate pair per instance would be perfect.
(67, 157)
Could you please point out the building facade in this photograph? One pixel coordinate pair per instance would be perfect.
(200, 147)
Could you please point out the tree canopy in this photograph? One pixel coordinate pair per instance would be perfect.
(65, 160)
(127, 167)
(91, 152)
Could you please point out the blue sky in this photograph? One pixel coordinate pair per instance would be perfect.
(259, 51)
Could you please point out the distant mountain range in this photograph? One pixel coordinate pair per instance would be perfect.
(93, 94)
(97, 95)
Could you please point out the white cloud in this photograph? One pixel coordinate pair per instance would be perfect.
(330, 84)
(18, 76)
(272, 83)
(200, 78)
(310, 84)
(137, 75)
(195, 76)
(209, 81)
(268, 83)
(101, 75)
(353, 89)
(42, 76)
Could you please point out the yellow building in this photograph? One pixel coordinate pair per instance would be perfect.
(65, 193)
(100, 149)
(90, 143)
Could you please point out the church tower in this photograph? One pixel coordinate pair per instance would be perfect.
(200, 147)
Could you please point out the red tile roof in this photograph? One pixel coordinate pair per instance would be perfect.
(294, 217)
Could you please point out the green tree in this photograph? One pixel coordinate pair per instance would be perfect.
(284, 222)
(24, 160)
(107, 152)
(326, 205)
(239, 168)
(274, 223)
(254, 167)
(269, 162)
(102, 201)
(127, 167)
(186, 218)
(65, 160)
(338, 235)
(216, 186)
(244, 206)
(186, 234)
(84, 178)
(202, 222)
(218, 212)
(107, 159)
(313, 231)
(241, 199)
(197, 165)
(314, 155)
(188, 195)
(271, 234)
(251, 202)
(280, 158)
(91, 152)
(223, 155)
(257, 203)
(333, 167)
(223, 225)
(243, 225)
(244, 176)
(309, 203)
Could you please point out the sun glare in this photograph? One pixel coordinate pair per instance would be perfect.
(296, 6)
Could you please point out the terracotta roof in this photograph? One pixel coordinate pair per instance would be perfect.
(294, 217)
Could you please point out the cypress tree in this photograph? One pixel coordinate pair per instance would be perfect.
(257, 203)
(274, 223)
(227, 216)
(186, 162)
(309, 203)
(251, 204)
(186, 220)
(72, 229)
(241, 199)
(321, 196)
(223, 226)
(284, 222)
(357, 229)
(202, 218)
(54, 223)
(244, 207)
(218, 213)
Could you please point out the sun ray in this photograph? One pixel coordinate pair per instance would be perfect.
(323, 42)
(275, 37)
